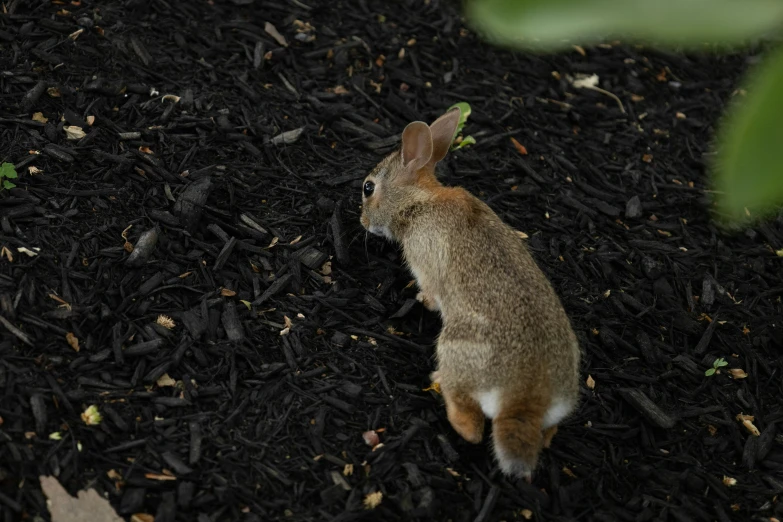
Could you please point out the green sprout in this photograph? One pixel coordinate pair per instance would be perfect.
(718, 363)
(7, 171)
(464, 109)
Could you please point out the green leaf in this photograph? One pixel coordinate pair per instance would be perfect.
(747, 171)
(464, 112)
(709, 372)
(8, 185)
(8, 171)
(470, 140)
(720, 363)
(550, 24)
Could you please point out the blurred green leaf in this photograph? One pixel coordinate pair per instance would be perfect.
(720, 363)
(747, 172)
(709, 372)
(8, 185)
(557, 24)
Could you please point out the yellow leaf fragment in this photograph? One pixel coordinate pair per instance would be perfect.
(435, 386)
(165, 321)
(39, 117)
(373, 500)
(72, 341)
(738, 373)
(166, 380)
(72, 132)
(590, 382)
(747, 421)
(159, 476)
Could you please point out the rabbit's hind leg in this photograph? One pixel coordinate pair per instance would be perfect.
(464, 414)
(548, 434)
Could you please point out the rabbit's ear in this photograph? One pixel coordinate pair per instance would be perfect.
(443, 130)
(416, 147)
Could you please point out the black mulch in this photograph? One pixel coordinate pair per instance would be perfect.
(232, 164)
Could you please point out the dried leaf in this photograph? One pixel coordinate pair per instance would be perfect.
(729, 481)
(522, 234)
(526, 514)
(738, 373)
(371, 438)
(248, 304)
(54, 92)
(296, 240)
(166, 380)
(146, 150)
(165, 321)
(225, 292)
(747, 421)
(583, 81)
(348, 470)
(590, 382)
(373, 500)
(28, 252)
(170, 97)
(647, 158)
(142, 517)
(520, 148)
(73, 341)
(87, 505)
(113, 474)
(274, 242)
(90, 120)
(6, 252)
(271, 30)
(72, 132)
(38, 116)
(74, 35)
(32, 169)
(159, 476)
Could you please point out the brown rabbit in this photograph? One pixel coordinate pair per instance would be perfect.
(507, 350)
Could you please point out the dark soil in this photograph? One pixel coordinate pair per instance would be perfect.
(295, 333)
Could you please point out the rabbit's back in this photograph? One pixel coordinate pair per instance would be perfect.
(501, 316)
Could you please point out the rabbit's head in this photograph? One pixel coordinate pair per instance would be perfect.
(406, 176)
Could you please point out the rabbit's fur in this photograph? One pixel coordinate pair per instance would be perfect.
(507, 350)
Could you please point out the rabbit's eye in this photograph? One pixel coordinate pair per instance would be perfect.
(369, 188)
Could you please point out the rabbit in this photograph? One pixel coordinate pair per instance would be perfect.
(506, 350)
